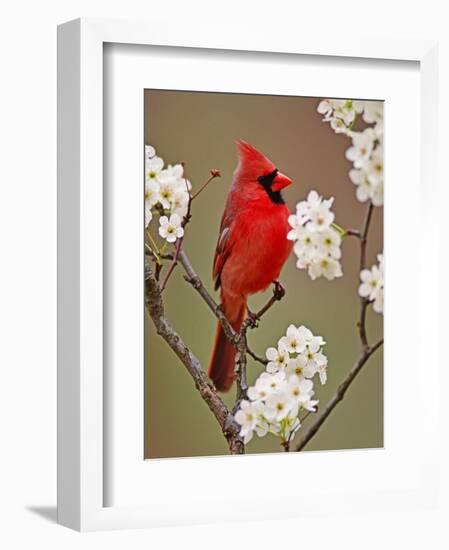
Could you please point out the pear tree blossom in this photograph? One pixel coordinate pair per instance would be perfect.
(285, 388)
(362, 147)
(277, 357)
(248, 416)
(170, 228)
(317, 242)
(372, 284)
(366, 149)
(340, 113)
(166, 189)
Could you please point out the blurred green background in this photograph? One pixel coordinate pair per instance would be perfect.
(199, 129)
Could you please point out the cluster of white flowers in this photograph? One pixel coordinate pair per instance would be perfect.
(372, 284)
(285, 387)
(366, 151)
(167, 191)
(340, 113)
(317, 242)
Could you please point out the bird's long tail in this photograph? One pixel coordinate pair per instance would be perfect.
(222, 362)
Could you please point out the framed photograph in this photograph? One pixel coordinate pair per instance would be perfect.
(236, 272)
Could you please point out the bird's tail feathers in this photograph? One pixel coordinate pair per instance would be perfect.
(222, 363)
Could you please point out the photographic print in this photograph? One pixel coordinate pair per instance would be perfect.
(264, 273)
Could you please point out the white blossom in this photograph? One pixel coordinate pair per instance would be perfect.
(170, 228)
(372, 284)
(325, 266)
(366, 151)
(320, 217)
(313, 359)
(377, 197)
(329, 242)
(317, 242)
(277, 357)
(150, 152)
(340, 113)
(148, 214)
(378, 304)
(277, 406)
(153, 168)
(274, 381)
(306, 241)
(373, 112)
(362, 146)
(277, 398)
(180, 202)
(261, 389)
(248, 417)
(297, 367)
(294, 341)
(374, 168)
(152, 189)
(167, 191)
(299, 389)
(364, 187)
(322, 372)
(165, 188)
(315, 212)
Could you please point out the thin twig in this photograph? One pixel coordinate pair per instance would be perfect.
(364, 235)
(173, 264)
(253, 318)
(337, 397)
(149, 252)
(226, 420)
(256, 357)
(353, 233)
(363, 302)
(213, 174)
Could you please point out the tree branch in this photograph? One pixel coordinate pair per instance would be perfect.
(337, 397)
(363, 301)
(238, 340)
(192, 278)
(225, 419)
(363, 240)
(240, 366)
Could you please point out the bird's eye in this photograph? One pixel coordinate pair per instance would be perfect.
(267, 179)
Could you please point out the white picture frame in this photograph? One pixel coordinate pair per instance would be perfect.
(81, 409)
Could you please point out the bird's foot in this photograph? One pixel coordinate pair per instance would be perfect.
(278, 290)
(252, 319)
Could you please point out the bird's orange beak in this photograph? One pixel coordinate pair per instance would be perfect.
(280, 181)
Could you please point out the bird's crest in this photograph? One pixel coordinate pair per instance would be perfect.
(252, 160)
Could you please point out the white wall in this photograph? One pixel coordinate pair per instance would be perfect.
(28, 266)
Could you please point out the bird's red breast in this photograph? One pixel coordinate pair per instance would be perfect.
(252, 246)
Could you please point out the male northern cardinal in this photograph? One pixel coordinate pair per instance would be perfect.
(251, 249)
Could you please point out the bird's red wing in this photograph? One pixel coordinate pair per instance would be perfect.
(222, 252)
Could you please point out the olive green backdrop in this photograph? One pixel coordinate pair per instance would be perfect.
(199, 129)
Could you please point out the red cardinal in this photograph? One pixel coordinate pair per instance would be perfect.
(251, 249)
